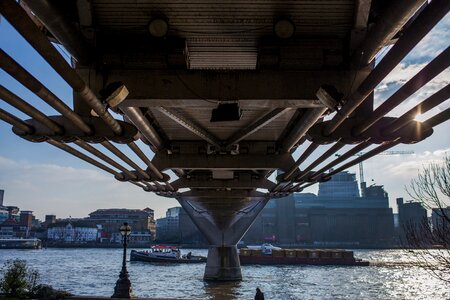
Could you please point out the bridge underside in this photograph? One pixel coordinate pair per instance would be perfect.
(223, 94)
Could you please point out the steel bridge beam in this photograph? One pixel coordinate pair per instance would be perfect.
(394, 16)
(65, 32)
(164, 161)
(153, 88)
(11, 10)
(429, 17)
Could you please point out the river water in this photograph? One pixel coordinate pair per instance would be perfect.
(95, 271)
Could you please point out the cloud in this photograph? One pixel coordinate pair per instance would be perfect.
(427, 49)
(396, 172)
(399, 76)
(432, 44)
(5, 162)
(401, 73)
(405, 165)
(404, 72)
(70, 191)
(442, 152)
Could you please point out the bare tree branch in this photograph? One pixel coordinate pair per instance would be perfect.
(431, 188)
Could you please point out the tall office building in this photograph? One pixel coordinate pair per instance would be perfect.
(412, 216)
(341, 185)
(337, 216)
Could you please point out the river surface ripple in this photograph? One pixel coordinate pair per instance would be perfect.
(95, 271)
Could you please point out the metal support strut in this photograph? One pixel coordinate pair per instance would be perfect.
(223, 260)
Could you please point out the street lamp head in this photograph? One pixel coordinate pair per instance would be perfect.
(125, 229)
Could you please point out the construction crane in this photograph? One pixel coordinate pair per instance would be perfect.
(362, 182)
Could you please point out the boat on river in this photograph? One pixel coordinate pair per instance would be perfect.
(269, 255)
(20, 244)
(165, 254)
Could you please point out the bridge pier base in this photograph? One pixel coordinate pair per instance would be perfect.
(223, 235)
(223, 264)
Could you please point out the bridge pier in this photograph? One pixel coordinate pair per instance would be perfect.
(223, 234)
(223, 264)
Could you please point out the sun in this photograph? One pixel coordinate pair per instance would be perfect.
(418, 117)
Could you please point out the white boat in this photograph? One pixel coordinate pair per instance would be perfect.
(20, 244)
(265, 248)
(165, 254)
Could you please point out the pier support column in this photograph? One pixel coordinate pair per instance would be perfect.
(223, 264)
(223, 234)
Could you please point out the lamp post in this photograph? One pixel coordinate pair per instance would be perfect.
(123, 284)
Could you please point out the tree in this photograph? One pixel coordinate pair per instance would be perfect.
(432, 189)
(19, 280)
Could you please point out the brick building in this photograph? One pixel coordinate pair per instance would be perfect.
(140, 220)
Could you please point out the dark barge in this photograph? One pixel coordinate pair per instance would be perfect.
(299, 257)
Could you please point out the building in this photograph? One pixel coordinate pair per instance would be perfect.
(410, 213)
(168, 228)
(178, 228)
(412, 220)
(8, 229)
(190, 235)
(26, 218)
(72, 232)
(13, 222)
(111, 220)
(4, 214)
(152, 223)
(343, 185)
(17, 227)
(136, 238)
(49, 219)
(440, 220)
(337, 216)
(265, 226)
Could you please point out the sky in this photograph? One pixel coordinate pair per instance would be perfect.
(46, 180)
